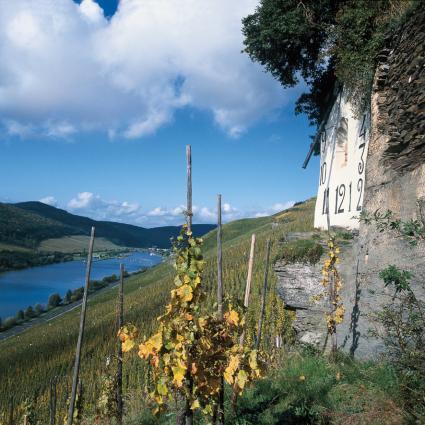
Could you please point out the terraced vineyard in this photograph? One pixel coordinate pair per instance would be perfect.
(30, 361)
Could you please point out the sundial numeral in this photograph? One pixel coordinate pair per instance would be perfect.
(361, 163)
(325, 207)
(339, 193)
(323, 169)
(363, 129)
(360, 190)
(349, 199)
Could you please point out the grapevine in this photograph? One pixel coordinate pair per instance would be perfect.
(191, 351)
(332, 284)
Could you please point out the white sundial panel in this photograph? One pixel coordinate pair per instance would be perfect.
(343, 152)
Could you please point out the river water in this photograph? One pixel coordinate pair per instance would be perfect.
(21, 288)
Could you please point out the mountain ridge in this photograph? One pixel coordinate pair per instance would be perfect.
(29, 223)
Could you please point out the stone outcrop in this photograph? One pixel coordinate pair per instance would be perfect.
(297, 285)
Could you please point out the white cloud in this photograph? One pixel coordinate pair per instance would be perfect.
(94, 206)
(280, 206)
(83, 200)
(61, 130)
(64, 68)
(49, 200)
(87, 203)
(91, 11)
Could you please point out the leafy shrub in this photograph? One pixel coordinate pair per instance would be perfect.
(403, 323)
(54, 300)
(29, 313)
(302, 251)
(20, 315)
(344, 235)
(308, 389)
(38, 309)
(411, 230)
(392, 275)
(8, 323)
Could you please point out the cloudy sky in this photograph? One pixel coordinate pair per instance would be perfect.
(98, 100)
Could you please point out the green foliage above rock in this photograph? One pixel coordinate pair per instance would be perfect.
(301, 251)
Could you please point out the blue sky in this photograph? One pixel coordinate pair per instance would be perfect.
(96, 112)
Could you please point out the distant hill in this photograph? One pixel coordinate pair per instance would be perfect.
(27, 224)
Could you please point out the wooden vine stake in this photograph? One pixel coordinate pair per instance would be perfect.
(246, 303)
(119, 353)
(248, 282)
(219, 262)
(81, 331)
(52, 404)
(220, 407)
(264, 295)
(189, 214)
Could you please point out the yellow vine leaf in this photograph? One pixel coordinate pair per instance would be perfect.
(127, 345)
(162, 389)
(128, 331)
(195, 405)
(231, 369)
(242, 379)
(185, 292)
(157, 341)
(253, 363)
(179, 373)
(144, 351)
(232, 317)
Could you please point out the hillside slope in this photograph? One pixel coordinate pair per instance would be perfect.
(25, 228)
(47, 350)
(29, 223)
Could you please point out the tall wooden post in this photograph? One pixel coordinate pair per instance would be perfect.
(220, 407)
(26, 421)
(119, 366)
(248, 282)
(11, 410)
(219, 261)
(263, 300)
(53, 401)
(81, 332)
(189, 212)
(188, 412)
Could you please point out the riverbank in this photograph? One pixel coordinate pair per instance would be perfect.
(34, 286)
(19, 260)
(58, 311)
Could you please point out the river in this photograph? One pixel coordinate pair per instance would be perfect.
(22, 288)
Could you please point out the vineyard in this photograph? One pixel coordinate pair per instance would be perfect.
(44, 355)
(299, 385)
(204, 338)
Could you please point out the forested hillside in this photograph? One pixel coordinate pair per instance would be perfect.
(27, 224)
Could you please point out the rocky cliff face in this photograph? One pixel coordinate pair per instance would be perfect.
(395, 180)
(298, 284)
(395, 175)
